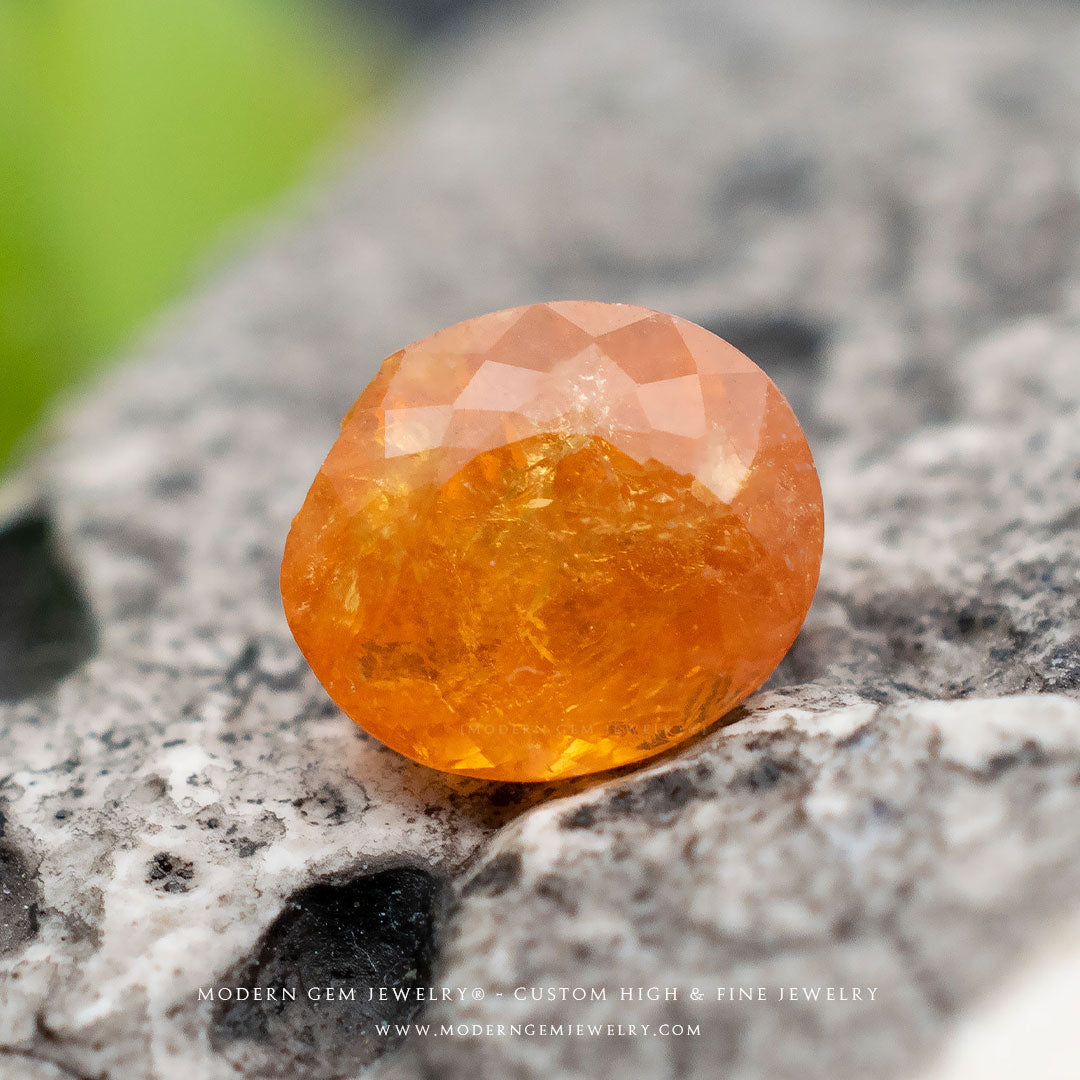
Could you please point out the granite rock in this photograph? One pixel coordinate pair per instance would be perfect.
(877, 201)
(953, 559)
(889, 861)
(1019, 1029)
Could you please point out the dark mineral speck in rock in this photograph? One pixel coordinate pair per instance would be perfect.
(46, 628)
(169, 873)
(19, 898)
(376, 930)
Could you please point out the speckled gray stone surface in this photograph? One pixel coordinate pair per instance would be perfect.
(912, 851)
(877, 201)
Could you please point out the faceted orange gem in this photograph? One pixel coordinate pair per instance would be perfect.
(554, 540)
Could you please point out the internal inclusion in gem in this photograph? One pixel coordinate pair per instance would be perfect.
(555, 540)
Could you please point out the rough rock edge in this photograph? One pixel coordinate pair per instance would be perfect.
(745, 863)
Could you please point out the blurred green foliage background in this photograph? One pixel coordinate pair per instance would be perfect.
(131, 134)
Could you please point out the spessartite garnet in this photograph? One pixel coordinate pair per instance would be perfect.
(555, 540)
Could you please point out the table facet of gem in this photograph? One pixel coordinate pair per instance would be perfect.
(555, 540)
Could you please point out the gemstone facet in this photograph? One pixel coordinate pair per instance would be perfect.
(554, 540)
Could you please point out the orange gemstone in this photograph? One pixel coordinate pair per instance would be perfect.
(554, 540)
